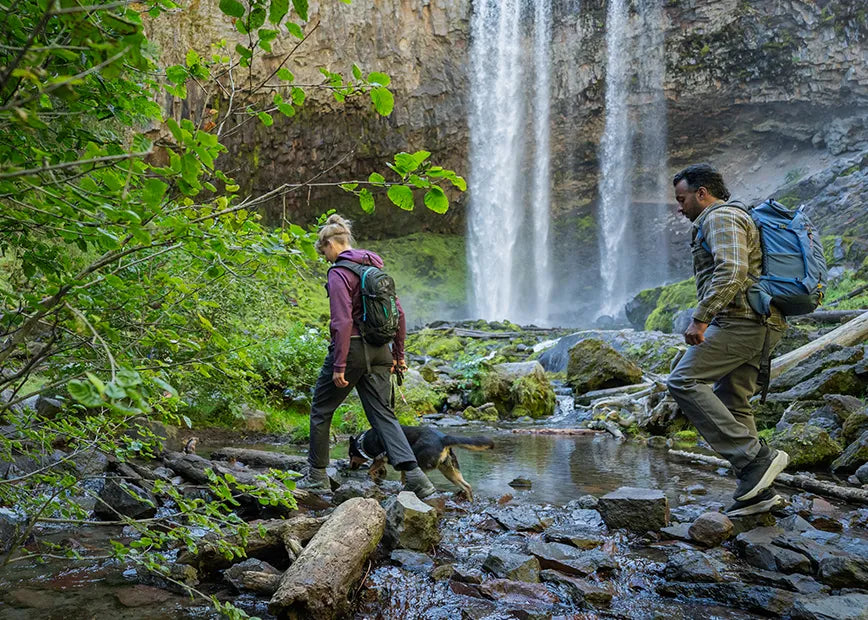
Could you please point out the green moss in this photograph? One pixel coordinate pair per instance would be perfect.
(673, 298)
(434, 343)
(490, 414)
(430, 272)
(807, 445)
(687, 435)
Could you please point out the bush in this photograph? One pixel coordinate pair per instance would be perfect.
(291, 361)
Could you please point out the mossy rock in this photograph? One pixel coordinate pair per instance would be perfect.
(672, 299)
(489, 414)
(642, 305)
(434, 344)
(595, 365)
(519, 389)
(809, 446)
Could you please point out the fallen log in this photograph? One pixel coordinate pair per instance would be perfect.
(555, 431)
(588, 397)
(267, 541)
(847, 335)
(319, 582)
(260, 458)
(828, 316)
(806, 483)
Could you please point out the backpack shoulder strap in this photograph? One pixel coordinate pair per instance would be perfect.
(700, 236)
(350, 265)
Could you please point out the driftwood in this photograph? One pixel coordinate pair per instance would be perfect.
(587, 397)
(318, 583)
(260, 458)
(271, 544)
(806, 483)
(847, 335)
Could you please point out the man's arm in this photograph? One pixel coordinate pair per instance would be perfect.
(726, 232)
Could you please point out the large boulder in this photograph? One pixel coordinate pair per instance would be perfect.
(120, 497)
(710, 529)
(855, 455)
(652, 351)
(639, 510)
(837, 380)
(808, 445)
(519, 389)
(850, 606)
(11, 523)
(641, 306)
(410, 523)
(834, 355)
(855, 424)
(507, 564)
(595, 365)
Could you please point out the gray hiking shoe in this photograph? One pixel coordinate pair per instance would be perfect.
(316, 479)
(764, 501)
(760, 473)
(417, 482)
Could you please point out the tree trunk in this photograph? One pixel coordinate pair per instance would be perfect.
(319, 581)
(847, 335)
(829, 489)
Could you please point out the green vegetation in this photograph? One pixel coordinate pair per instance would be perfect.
(673, 298)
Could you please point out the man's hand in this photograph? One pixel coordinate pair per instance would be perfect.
(399, 365)
(338, 380)
(695, 333)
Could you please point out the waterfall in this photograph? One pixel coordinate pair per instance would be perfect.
(634, 193)
(508, 228)
(615, 198)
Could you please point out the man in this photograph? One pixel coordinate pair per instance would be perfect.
(719, 372)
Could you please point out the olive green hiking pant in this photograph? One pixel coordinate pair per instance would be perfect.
(714, 381)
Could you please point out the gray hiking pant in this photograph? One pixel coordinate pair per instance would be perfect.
(375, 392)
(714, 381)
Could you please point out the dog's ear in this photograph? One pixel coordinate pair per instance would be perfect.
(354, 445)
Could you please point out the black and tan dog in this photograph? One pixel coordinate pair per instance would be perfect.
(432, 449)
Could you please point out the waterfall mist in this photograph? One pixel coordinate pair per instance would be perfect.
(508, 221)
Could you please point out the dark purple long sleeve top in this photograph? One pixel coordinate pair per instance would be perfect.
(345, 303)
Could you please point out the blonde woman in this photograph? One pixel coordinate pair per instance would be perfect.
(353, 363)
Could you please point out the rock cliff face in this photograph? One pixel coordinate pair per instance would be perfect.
(775, 92)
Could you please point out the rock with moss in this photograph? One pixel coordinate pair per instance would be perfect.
(416, 396)
(594, 365)
(434, 343)
(809, 446)
(482, 414)
(853, 457)
(641, 306)
(519, 389)
(672, 299)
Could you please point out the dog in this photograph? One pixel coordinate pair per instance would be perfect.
(431, 448)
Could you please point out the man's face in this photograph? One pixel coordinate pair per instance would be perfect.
(690, 203)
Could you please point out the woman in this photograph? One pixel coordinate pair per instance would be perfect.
(353, 363)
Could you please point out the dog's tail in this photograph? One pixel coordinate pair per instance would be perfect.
(470, 443)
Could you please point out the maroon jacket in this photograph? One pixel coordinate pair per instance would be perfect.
(345, 302)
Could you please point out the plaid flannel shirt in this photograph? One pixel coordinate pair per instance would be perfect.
(723, 277)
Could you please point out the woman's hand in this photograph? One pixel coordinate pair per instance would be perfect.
(338, 380)
(399, 365)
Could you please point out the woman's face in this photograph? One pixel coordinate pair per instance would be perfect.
(330, 251)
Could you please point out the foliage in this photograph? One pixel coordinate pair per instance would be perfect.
(673, 298)
(124, 245)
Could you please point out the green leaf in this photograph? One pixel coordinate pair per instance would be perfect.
(115, 392)
(256, 19)
(285, 74)
(153, 191)
(85, 393)
(177, 74)
(405, 163)
(357, 73)
(375, 77)
(297, 96)
(96, 382)
(266, 118)
(349, 187)
(436, 200)
(418, 181)
(384, 101)
(376, 178)
(295, 30)
(232, 8)
(192, 58)
(277, 10)
(300, 7)
(401, 196)
(421, 156)
(127, 378)
(166, 387)
(366, 200)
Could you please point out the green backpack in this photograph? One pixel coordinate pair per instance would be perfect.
(379, 303)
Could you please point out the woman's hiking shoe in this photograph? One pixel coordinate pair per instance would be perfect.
(316, 479)
(417, 482)
(762, 502)
(760, 473)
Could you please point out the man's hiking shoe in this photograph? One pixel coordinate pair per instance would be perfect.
(316, 479)
(417, 482)
(762, 502)
(760, 473)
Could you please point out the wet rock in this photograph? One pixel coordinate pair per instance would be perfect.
(816, 364)
(692, 566)
(851, 606)
(750, 522)
(844, 571)
(119, 497)
(859, 518)
(410, 523)
(862, 474)
(711, 529)
(854, 456)
(657, 442)
(578, 537)
(11, 522)
(356, 488)
(260, 458)
(522, 518)
(837, 380)
(679, 531)
(412, 561)
(579, 590)
(141, 595)
(595, 365)
(32, 599)
(801, 584)
(521, 593)
(520, 483)
(586, 518)
(443, 572)
(854, 426)
(757, 548)
(687, 513)
(794, 523)
(510, 565)
(466, 589)
(696, 489)
(467, 575)
(235, 574)
(571, 560)
(519, 389)
(635, 509)
(808, 445)
(584, 502)
(760, 599)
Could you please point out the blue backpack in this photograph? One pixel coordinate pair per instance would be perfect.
(793, 275)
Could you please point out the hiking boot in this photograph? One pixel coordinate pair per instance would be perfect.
(418, 483)
(316, 479)
(760, 473)
(763, 501)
